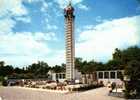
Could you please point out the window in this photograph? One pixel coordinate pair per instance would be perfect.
(60, 76)
(100, 74)
(106, 74)
(63, 76)
(112, 74)
(57, 76)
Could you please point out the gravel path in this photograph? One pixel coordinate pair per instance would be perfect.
(10, 93)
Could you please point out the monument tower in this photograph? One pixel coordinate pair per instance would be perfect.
(70, 48)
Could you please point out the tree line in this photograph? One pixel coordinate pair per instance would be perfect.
(120, 61)
(35, 70)
(121, 58)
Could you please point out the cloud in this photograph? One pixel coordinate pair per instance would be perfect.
(44, 8)
(15, 8)
(10, 10)
(83, 7)
(99, 19)
(63, 3)
(51, 27)
(21, 44)
(88, 27)
(26, 19)
(23, 48)
(32, 1)
(50, 36)
(6, 26)
(100, 41)
(58, 58)
(26, 48)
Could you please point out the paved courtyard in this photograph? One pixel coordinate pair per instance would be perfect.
(10, 93)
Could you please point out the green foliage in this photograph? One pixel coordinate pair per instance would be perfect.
(59, 69)
(6, 70)
(133, 70)
(36, 70)
(2, 63)
(39, 70)
(133, 86)
(1, 78)
(129, 59)
(117, 54)
(78, 63)
(100, 66)
(114, 64)
(18, 70)
(132, 53)
(4, 83)
(88, 87)
(87, 67)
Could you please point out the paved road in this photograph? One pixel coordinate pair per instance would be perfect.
(10, 93)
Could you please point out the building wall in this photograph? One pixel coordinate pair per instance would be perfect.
(92, 78)
(61, 77)
(113, 76)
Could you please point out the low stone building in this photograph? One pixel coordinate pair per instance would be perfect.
(61, 77)
(98, 76)
(110, 76)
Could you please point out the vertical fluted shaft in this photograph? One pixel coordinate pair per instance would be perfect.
(70, 47)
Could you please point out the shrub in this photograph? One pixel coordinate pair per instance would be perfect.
(132, 86)
(113, 85)
(1, 78)
(88, 87)
(4, 83)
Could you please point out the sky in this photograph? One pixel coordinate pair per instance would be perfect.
(33, 30)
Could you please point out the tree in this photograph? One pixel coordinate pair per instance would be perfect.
(130, 62)
(39, 70)
(100, 66)
(117, 54)
(115, 64)
(83, 69)
(132, 70)
(18, 70)
(6, 70)
(129, 59)
(122, 57)
(59, 69)
(78, 64)
(92, 66)
(132, 53)
(2, 63)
